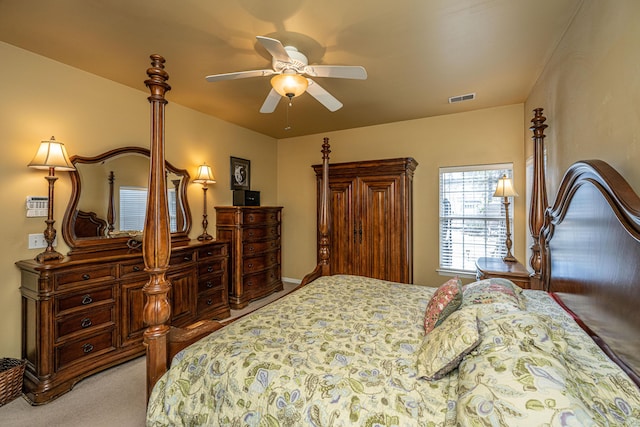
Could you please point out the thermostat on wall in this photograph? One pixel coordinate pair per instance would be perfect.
(37, 206)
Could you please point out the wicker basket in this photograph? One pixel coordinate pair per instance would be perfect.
(11, 372)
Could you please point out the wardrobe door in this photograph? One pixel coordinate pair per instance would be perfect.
(343, 239)
(380, 228)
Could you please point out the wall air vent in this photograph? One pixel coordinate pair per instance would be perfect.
(460, 98)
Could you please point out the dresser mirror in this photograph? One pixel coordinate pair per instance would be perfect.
(108, 201)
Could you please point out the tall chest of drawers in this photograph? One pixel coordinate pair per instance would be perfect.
(82, 316)
(254, 233)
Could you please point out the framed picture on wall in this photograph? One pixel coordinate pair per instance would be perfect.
(240, 173)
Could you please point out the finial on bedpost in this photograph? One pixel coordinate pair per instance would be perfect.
(157, 82)
(156, 243)
(539, 201)
(324, 210)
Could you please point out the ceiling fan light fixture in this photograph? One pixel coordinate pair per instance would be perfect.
(289, 84)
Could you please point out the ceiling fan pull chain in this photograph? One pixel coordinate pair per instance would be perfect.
(288, 126)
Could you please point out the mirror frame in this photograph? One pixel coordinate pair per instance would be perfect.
(87, 246)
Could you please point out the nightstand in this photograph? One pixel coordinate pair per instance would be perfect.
(487, 268)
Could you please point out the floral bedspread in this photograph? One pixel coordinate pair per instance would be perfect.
(342, 352)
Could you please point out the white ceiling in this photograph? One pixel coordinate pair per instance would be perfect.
(417, 53)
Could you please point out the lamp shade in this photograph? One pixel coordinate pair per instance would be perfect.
(505, 188)
(204, 175)
(289, 84)
(51, 154)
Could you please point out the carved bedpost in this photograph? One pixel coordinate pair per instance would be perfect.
(111, 217)
(539, 201)
(322, 268)
(323, 250)
(156, 243)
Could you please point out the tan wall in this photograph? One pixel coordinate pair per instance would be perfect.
(91, 115)
(485, 136)
(590, 91)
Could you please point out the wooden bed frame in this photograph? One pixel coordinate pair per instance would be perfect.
(590, 263)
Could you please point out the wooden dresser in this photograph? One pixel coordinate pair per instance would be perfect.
(81, 316)
(370, 216)
(254, 233)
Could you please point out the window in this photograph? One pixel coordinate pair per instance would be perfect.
(133, 206)
(471, 220)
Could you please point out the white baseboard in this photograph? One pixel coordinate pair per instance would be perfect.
(290, 280)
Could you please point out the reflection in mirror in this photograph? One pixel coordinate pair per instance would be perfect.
(109, 199)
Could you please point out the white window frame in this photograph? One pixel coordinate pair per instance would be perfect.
(474, 224)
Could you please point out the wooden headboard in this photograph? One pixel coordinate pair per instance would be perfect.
(88, 224)
(591, 257)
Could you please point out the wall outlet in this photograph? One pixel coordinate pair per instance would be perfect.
(37, 241)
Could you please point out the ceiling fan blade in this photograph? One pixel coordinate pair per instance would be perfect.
(271, 102)
(239, 75)
(275, 48)
(324, 97)
(337, 71)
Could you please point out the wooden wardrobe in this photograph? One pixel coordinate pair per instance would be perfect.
(370, 215)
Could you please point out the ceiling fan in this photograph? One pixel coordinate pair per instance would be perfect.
(288, 68)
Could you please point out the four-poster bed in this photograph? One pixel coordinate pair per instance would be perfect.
(348, 350)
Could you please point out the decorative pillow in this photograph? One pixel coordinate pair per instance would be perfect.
(444, 301)
(501, 292)
(444, 348)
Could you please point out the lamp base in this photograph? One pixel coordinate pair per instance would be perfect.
(49, 256)
(205, 236)
(509, 258)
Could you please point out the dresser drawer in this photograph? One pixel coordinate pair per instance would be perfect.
(259, 262)
(250, 234)
(84, 348)
(255, 284)
(134, 268)
(212, 266)
(90, 319)
(212, 300)
(82, 300)
(212, 251)
(259, 216)
(252, 248)
(211, 281)
(82, 276)
(182, 258)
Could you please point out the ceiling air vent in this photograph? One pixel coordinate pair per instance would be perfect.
(467, 97)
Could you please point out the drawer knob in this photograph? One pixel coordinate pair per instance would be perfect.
(250, 265)
(86, 277)
(187, 258)
(209, 284)
(136, 268)
(209, 301)
(249, 283)
(87, 299)
(251, 249)
(209, 253)
(86, 322)
(87, 348)
(209, 269)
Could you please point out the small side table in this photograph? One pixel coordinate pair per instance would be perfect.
(487, 268)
